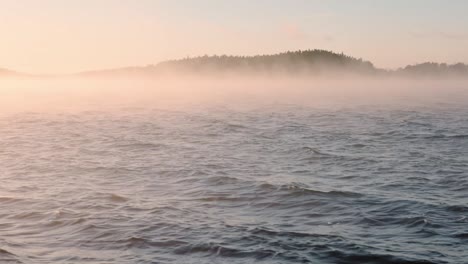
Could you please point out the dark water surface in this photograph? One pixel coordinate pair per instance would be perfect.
(275, 184)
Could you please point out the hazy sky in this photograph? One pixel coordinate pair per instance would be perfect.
(60, 36)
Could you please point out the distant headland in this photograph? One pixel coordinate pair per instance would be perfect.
(303, 62)
(6, 72)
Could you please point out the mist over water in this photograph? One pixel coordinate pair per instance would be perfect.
(233, 170)
(85, 94)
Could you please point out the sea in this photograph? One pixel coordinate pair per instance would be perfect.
(276, 182)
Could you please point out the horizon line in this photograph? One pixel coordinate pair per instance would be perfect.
(78, 72)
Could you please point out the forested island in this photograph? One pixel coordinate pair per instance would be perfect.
(303, 62)
(6, 72)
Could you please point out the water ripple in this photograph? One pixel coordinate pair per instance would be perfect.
(273, 185)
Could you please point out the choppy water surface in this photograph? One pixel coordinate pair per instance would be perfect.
(275, 184)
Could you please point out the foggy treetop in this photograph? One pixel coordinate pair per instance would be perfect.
(308, 62)
(311, 62)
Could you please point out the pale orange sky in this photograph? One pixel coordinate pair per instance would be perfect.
(65, 36)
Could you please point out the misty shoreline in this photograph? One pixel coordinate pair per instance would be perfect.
(308, 64)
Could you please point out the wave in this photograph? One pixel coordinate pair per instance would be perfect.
(213, 249)
(343, 257)
(10, 200)
(8, 257)
(442, 136)
(297, 189)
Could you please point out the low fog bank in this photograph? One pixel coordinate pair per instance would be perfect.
(301, 64)
(88, 94)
